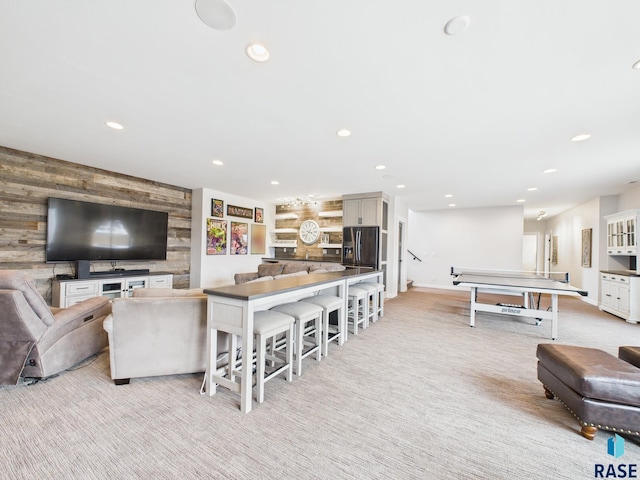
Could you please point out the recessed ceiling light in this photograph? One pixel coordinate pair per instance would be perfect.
(550, 170)
(400, 186)
(380, 167)
(114, 125)
(532, 189)
(257, 52)
(452, 204)
(343, 133)
(581, 137)
(217, 162)
(636, 66)
(521, 200)
(448, 195)
(457, 25)
(275, 182)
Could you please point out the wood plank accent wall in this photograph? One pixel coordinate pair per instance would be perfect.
(28, 180)
(310, 212)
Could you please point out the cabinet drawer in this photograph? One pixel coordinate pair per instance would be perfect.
(619, 279)
(160, 282)
(82, 288)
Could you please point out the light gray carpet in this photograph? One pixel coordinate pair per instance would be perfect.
(418, 395)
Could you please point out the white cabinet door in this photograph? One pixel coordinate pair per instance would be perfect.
(350, 213)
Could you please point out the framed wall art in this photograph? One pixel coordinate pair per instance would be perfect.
(259, 217)
(554, 250)
(236, 211)
(258, 239)
(217, 208)
(586, 248)
(239, 238)
(216, 237)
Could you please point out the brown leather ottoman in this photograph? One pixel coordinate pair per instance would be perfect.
(602, 391)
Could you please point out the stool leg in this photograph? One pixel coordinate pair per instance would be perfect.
(589, 432)
(299, 346)
(289, 352)
(260, 367)
(325, 332)
(319, 333)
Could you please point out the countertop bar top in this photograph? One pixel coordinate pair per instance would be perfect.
(252, 291)
(626, 273)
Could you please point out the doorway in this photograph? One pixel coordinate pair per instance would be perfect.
(402, 277)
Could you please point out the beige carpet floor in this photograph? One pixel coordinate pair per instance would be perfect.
(419, 395)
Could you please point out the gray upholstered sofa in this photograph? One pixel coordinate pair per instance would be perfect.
(269, 271)
(159, 331)
(38, 341)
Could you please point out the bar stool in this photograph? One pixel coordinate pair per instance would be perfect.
(267, 325)
(329, 304)
(371, 300)
(358, 310)
(380, 287)
(308, 320)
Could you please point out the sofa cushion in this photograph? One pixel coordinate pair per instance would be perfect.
(270, 269)
(287, 275)
(240, 278)
(16, 280)
(295, 267)
(266, 278)
(630, 355)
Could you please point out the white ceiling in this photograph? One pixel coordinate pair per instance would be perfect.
(478, 115)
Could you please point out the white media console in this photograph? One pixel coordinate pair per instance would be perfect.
(67, 292)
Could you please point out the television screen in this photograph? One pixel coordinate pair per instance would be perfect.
(90, 231)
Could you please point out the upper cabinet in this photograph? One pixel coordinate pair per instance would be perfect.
(621, 233)
(362, 211)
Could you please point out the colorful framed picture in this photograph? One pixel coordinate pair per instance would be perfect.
(216, 237)
(259, 218)
(239, 238)
(235, 211)
(217, 208)
(258, 239)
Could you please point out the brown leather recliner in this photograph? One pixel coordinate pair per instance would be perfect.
(602, 391)
(37, 341)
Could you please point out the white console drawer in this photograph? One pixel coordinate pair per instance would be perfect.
(70, 301)
(160, 281)
(82, 288)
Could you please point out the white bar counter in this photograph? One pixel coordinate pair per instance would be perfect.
(230, 309)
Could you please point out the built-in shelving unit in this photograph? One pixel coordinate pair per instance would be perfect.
(620, 282)
(68, 292)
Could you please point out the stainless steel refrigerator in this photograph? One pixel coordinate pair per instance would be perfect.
(360, 247)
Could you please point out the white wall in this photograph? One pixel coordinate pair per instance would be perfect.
(487, 238)
(218, 270)
(629, 199)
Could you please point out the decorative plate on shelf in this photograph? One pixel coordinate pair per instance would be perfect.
(309, 232)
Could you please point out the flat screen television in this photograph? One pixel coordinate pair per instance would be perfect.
(84, 231)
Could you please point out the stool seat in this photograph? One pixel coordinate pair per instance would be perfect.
(266, 321)
(268, 324)
(380, 287)
(330, 333)
(372, 300)
(359, 309)
(304, 313)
